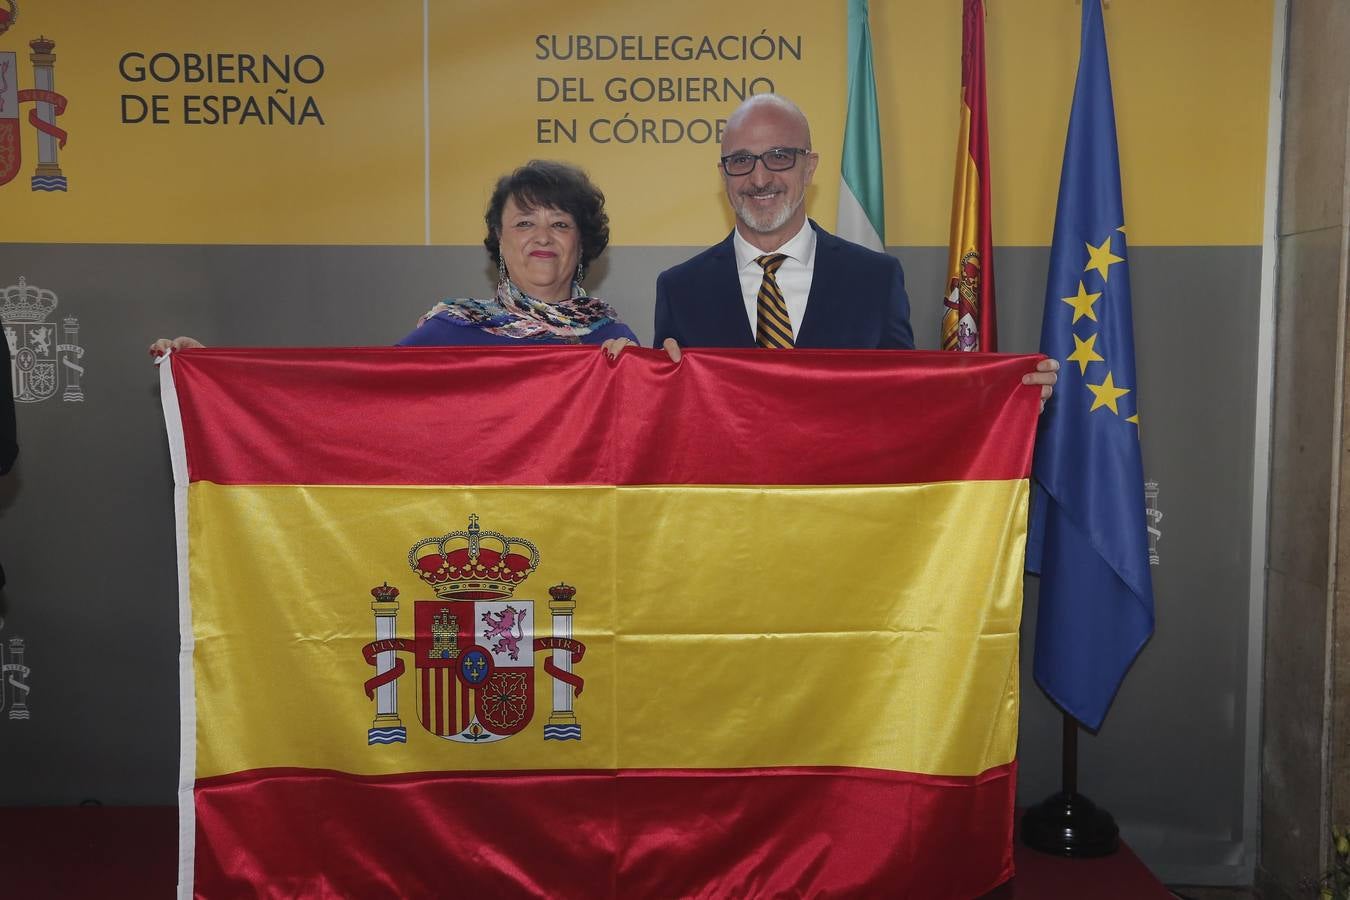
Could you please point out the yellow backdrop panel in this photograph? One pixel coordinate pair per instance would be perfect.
(424, 104)
(357, 178)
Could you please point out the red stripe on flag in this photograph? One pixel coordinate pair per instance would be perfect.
(439, 679)
(569, 415)
(649, 833)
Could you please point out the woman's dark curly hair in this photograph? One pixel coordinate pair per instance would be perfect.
(556, 185)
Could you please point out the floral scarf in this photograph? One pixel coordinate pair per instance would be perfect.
(514, 313)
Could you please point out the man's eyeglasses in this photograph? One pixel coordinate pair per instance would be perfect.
(775, 159)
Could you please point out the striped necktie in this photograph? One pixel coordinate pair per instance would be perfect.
(773, 328)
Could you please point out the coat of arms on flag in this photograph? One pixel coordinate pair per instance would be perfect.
(474, 644)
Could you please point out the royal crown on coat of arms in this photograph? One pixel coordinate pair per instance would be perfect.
(25, 303)
(460, 567)
(473, 646)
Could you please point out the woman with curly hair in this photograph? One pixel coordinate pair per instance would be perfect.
(546, 223)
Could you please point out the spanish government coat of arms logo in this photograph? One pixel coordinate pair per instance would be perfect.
(474, 645)
(47, 105)
(40, 364)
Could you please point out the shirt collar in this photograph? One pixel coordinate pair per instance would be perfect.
(801, 248)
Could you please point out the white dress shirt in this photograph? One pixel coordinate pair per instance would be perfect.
(793, 277)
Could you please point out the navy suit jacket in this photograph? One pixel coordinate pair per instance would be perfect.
(857, 300)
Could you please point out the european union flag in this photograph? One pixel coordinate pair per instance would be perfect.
(1089, 538)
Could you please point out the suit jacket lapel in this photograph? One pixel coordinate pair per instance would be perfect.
(726, 304)
(827, 276)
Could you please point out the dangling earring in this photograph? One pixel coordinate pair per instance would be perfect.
(501, 271)
(581, 273)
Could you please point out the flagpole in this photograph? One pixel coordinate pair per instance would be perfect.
(1066, 823)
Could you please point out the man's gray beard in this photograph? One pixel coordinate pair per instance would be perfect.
(769, 222)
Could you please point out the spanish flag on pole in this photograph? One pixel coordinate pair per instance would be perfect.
(531, 622)
(969, 321)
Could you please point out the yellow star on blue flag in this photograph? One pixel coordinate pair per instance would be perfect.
(1101, 259)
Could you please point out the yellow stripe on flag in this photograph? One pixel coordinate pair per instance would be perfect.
(761, 632)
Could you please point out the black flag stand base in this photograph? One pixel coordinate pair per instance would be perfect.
(1067, 823)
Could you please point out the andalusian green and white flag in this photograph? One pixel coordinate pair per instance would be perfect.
(862, 195)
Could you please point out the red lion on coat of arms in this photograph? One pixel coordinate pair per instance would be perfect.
(501, 626)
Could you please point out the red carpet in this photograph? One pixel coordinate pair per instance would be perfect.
(115, 852)
(1120, 876)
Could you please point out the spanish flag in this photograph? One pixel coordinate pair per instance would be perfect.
(531, 622)
(968, 320)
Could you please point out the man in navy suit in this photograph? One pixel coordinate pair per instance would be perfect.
(779, 280)
(836, 294)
